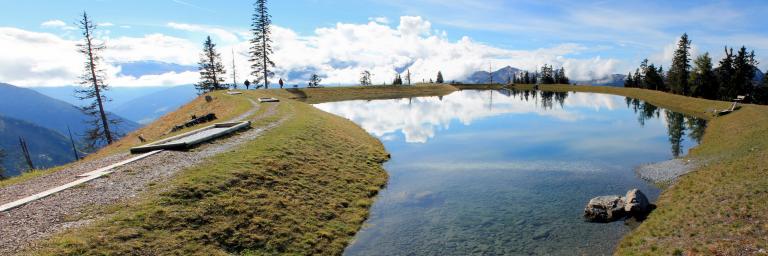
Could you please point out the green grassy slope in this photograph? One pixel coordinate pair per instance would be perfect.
(302, 188)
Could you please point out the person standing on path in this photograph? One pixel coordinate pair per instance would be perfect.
(281, 83)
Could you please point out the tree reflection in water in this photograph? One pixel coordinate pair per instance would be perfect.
(677, 124)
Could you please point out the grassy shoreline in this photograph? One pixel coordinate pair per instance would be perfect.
(717, 209)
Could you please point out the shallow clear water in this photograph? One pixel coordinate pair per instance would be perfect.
(508, 172)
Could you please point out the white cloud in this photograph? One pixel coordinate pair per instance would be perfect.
(53, 23)
(340, 53)
(157, 47)
(337, 53)
(222, 34)
(105, 24)
(57, 24)
(382, 20)
(44, 59)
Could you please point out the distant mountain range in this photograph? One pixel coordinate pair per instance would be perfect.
(43, 122)
(149, 107)
(504, 74)
(117, 95)
(47, 148)
(36, 108)
(499, 76)
(139, 104)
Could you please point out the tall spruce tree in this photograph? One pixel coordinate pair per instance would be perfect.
(314, 81)
(365, 78)
(398, 80)
(761, 92)
(408, 76)
(640, 74)
(93, 88)
(563, 78)
(629, 82)
(653, 78)
(725, 73)
(261, 44)
(702, 79)
(439, 79)
(211, 69)
(679, 71)
(744, 66)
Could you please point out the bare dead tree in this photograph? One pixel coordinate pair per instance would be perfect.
(25, 152)
(2, 169)
(93, 87)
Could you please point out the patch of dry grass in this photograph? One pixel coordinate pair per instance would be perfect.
(302, 188)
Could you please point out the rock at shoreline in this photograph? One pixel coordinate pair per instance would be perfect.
(636, 203)
(604, 209)
(610, 208)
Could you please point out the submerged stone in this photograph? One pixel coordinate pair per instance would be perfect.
(604, 209)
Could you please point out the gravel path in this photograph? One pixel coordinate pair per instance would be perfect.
(69, 174)
(24, 226)
(666, 171)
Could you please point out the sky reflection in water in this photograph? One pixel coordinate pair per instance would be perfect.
(508, 172)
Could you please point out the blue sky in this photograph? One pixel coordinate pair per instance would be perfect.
(589, 38)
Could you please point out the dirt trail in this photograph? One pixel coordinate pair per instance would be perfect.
(24, 226)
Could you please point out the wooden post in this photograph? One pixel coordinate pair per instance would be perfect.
(74, 148)
(25, 151)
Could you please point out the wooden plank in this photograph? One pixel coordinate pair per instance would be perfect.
(91, 176)
(193, 138)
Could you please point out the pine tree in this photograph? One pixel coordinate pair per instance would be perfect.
(314, 81)
(761, 92)
(234, 71)
(408, 76)
(562, 78)
(397, 80)
(725, 75)
(439, 79)
(547, 75)
(702, 79)
(629, 82)
(652, 79)
(261, 44)
(365, 78)
(211, 69)
(662, 80)
(527, 78)
(94, 87)
(744, 66)
(679, 71)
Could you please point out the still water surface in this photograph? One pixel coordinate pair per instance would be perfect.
(508, 172)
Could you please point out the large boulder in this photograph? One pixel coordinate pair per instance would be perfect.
(605, 209)
(636, 203)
